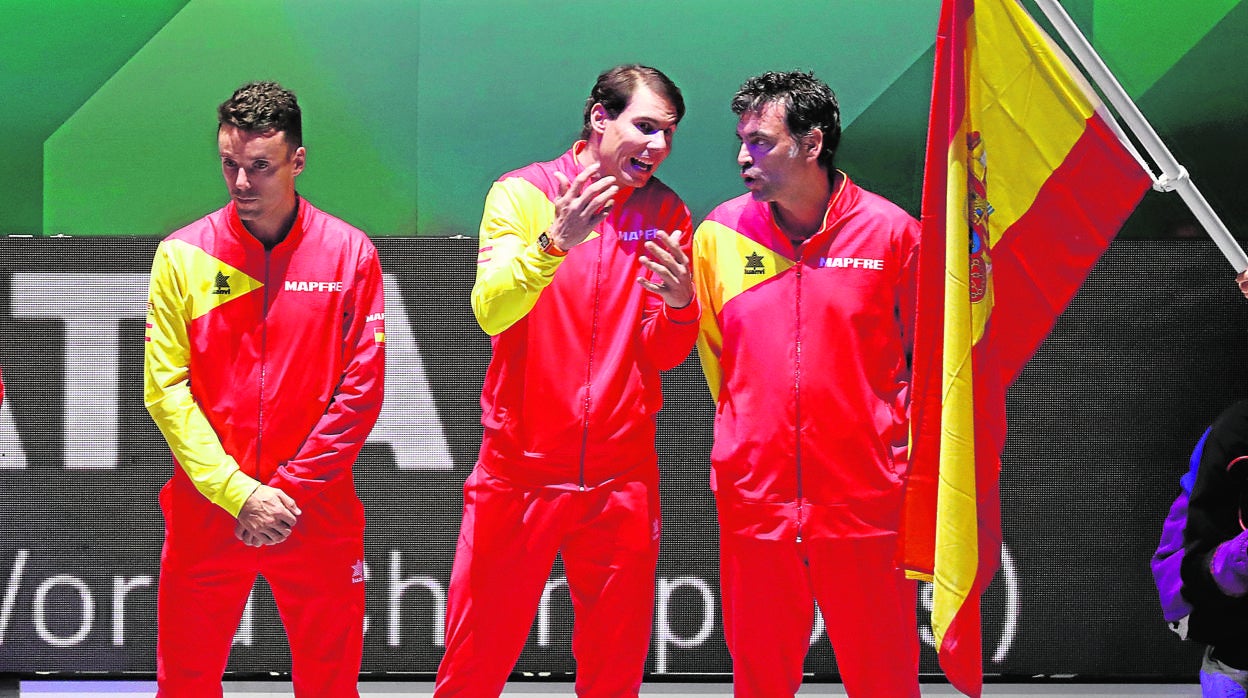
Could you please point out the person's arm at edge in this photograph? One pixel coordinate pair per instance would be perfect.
(330, 450)
(907, 295)
(167, 394)
(710, 338)
(1212, 504)
(512, 269)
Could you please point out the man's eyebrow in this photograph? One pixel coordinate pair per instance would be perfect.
(657, 119)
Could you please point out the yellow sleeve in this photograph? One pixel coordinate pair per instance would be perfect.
(167, 390)
(512, 270)
(710, 338)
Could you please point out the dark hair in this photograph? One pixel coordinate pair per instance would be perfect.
(615, 88)
(263, 106)
(808, 104)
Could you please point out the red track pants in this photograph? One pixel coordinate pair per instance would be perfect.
(206, 574)
(769, 590)
(609, 539)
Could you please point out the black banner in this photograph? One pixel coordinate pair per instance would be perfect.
(1101, 423)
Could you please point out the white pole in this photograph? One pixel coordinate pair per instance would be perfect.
(1173, 176)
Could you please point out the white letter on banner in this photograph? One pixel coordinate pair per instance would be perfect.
(12, 455)
(397, 587)
(664, 630)
(543, 610)
(92, 306)
(86, 619)
(10, 591)
(245, 634)
(819, 627)
(409, 420)
(121, 589)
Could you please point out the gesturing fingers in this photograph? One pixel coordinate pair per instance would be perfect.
(562, 185)
(667, 250)
(580, 205)
(673, 280)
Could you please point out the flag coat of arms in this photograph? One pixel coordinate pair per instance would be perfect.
(1027, 180)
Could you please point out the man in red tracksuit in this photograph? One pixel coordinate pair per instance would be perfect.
(583, 282)
(263, 368)
(807, 292)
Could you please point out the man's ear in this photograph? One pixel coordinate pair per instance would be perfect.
(598, 118)
(300, 159)
(812, 143)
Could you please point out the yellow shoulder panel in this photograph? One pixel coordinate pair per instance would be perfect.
(210, 282)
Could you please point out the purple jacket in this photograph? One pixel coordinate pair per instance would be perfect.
(1168, 560)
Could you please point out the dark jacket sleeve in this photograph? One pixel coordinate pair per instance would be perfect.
(1213, 517)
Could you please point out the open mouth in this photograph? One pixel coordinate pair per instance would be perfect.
(642, 165)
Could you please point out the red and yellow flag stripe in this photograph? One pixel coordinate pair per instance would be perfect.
(1026, 183)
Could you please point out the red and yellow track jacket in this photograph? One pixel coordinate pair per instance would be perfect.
(265, 366)
(805, 352)
(573, 387)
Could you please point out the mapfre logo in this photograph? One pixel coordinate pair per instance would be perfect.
(852, 263)
(638, 235)
(314, 286)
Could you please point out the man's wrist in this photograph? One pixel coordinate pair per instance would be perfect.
(547, 244)
(685, 314)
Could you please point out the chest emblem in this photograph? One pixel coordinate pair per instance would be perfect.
(221, 285)
(754, 264)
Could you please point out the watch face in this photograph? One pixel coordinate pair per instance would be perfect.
(548, 245)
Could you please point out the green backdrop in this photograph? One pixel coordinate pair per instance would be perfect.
(412, 107)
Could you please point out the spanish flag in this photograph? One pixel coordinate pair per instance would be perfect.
(1027, 180)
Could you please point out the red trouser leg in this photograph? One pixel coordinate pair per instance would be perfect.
(768, 614)
(205, 577)
(869, 608)
(507, 546)
(198, 609)
(610, 557)
(317, 580)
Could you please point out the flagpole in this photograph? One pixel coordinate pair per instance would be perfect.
(1174, 177)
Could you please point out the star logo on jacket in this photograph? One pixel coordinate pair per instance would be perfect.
(357, 572)
(754, 264)
(221, 285)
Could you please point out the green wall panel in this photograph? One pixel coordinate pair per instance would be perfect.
(139, 157)
(412, 107)
(53, 56)
(502, 83)
(1146, 37)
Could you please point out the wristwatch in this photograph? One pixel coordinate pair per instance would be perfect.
(547, 243)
